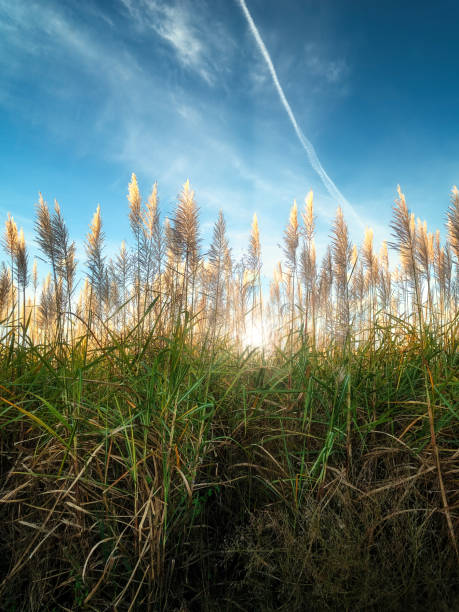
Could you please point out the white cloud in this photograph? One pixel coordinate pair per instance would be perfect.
(330, 71)
(47, 32)
(176, 28)
(183, 26)
(187, 112)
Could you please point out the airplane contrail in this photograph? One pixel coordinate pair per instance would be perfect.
(307, 145)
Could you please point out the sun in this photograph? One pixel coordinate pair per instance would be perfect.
(254, 336)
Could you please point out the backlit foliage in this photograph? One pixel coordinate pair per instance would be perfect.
(166, 276)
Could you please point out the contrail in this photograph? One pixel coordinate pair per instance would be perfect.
(307, 145)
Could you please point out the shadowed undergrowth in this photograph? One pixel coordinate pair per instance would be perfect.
(160, 476)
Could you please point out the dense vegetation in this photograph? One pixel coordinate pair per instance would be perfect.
(151, 459)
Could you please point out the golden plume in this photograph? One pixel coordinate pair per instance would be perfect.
(308, 216)
(135, 203)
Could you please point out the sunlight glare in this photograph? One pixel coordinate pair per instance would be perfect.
(253, 337)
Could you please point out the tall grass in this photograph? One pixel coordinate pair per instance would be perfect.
(151, 461)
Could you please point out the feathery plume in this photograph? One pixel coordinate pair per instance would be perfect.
(10, 237)
(424, 247)
(45, 234)
(354, 256)
(404, 233)
(254, 254)
(95, 257)
(405, 241)
(5, 283)
(342, 252)
(22, 260)
(368, 255)
(135, 203)
(35, 275)
(219, 251)
(150, 216)
(309, 217)
(291, 237)
(185, 232)
(65, 251)
(342, 248)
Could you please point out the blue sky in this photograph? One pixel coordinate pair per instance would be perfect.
(92, 91)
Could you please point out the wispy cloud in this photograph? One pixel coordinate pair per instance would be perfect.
(47, 34)
(176, 28)
(99, 77)
(332, 71)
(185, 28)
